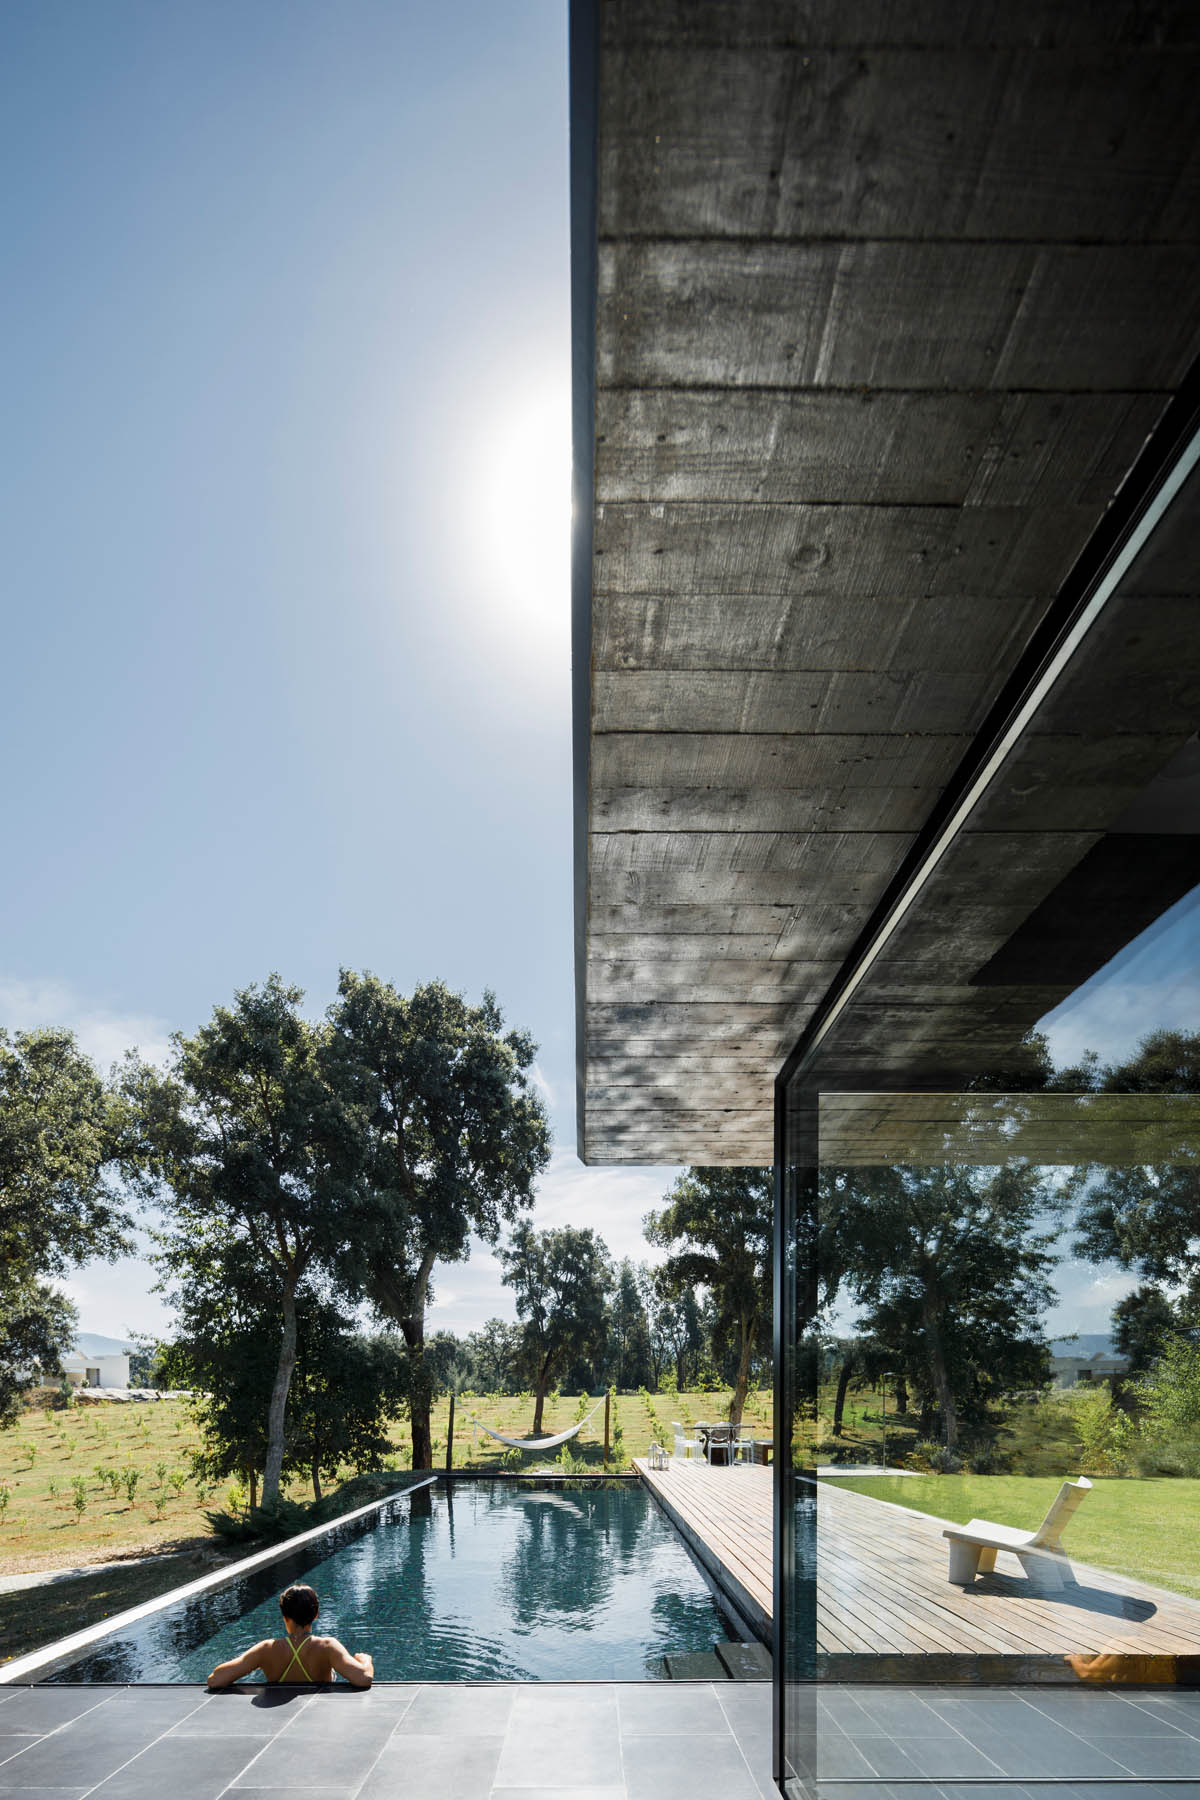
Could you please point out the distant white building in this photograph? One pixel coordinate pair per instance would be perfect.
(1087, 1358)
(108, 1371)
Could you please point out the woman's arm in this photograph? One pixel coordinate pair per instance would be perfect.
(358, 1669)
(226, 1673)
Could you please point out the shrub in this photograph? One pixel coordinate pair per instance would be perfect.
(988, 1460)
(80, 1495)
(939, 1459)
(1108, 1436)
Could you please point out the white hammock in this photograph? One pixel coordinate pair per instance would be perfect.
(545, 1443)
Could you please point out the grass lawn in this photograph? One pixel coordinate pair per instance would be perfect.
(1149, 1529)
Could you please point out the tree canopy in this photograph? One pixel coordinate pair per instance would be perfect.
(452, 1139)
(718, 1224)
(951, 1266)
(64, 1144)
(261, 1160)
(561, 1280)
(1146, 1216)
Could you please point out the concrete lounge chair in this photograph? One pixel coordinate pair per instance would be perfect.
(973, 1546)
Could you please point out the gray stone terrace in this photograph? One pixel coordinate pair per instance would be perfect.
(607, 1741)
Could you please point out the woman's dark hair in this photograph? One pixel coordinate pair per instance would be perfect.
(299, 1604)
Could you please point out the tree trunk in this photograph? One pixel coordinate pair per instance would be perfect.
(252, 1484)
(901, 1395)
(316, 1475)
(843, 1387)
(539, 1400)
(279, 1395)
(419, 1399)
(941, 1378)
(742, 1384)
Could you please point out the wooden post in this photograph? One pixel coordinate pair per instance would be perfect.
(450, 1438)
(607, 1409)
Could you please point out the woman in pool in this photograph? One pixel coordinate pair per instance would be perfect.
(299, 1657)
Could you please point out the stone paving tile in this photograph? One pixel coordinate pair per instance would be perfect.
(903, 1715)
(314, 1760)
(86, 1750)
(199, 1768)
(45, 1709)
(686, 1767)
(464, 1767)
(337, 1792)
(1176, 1757)
(476, 1712)
(1181, 1710)
(232, 1716)
(935, 1759)
(562, 1793)
(533, 1749)
(651, 1711)
(58, 1793)
(1044, 1753)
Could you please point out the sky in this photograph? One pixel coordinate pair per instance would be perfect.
(284, 326)
(284, 342)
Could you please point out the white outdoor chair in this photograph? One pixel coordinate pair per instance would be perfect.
(684, 1445)
(973, 1546)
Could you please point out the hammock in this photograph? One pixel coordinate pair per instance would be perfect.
(545, 1443)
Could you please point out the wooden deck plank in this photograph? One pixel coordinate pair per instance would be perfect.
(881, 1579)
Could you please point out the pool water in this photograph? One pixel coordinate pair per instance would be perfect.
(463, 1582)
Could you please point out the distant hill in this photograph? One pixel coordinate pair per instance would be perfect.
(90, 1343)
(1088, 1343)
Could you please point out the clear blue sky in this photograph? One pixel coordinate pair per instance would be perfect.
(285, 338)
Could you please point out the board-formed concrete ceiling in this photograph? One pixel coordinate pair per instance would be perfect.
(887, 300)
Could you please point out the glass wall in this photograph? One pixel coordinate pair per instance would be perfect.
(989, 1267)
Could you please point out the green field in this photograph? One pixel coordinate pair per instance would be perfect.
(47, 1452)
(1149, 1529)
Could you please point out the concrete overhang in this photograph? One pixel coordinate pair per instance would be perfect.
(875, 311)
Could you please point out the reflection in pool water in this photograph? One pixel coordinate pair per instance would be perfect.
(478, 1582)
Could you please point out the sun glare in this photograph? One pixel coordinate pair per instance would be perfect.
(523, 538)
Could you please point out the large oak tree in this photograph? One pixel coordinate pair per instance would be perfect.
(453, 1138)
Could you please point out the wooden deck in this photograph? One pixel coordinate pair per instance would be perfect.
(882, 1587)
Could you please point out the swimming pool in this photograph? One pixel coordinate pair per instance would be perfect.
(463, 1582)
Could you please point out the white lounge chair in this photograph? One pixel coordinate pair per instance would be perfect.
(973, 1546)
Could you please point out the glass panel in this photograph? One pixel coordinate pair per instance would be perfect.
(991, 1161)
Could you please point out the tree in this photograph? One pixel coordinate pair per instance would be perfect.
(345, 1387)
(261, 1157)
(562, 1280)
(1146, 1216)
(1143, 1324)
(349, 1385)
(628, 1331)
(1171, 1392)
(453, 1136)
(676, 1329)
(723, 1219)
(64, 1145)
(491, 1355)
(950, 1263)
